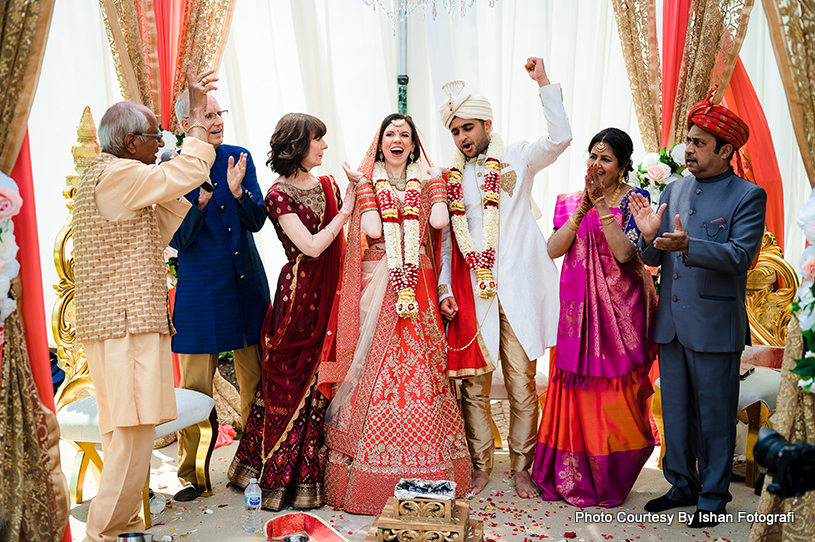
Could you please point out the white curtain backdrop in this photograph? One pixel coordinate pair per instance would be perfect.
(337, 59)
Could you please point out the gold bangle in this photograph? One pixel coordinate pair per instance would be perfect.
(196, 125)
(601, 198)
(333, 235)
(573, 223)
(607, 219)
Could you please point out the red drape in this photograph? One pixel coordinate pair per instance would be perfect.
(674, 29)
(33, 309)
(176, 365)
(168, 25)
(740, 97)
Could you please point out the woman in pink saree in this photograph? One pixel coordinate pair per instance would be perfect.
(595, 434)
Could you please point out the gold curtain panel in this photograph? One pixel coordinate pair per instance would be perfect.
(795, 421)
(636, 24)
(131, 29)
(792, 31)
(204, 30)
(23, 34)
(30, 509)
(707, 42)
(735, 17)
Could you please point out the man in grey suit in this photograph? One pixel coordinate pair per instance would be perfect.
(705, 243)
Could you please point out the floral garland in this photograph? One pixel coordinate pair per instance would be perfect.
(804, 306)
(171, 259)
(404, 275)
(658, 169)
(480, 262)
(10, 203)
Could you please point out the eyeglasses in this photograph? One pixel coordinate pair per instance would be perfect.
(158, 137)
(221, 114)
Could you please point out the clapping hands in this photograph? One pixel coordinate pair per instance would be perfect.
(235, 173)
(649, 222)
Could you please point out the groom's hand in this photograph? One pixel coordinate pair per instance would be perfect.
(537, 71)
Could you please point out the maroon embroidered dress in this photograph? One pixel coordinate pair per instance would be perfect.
(283, 436)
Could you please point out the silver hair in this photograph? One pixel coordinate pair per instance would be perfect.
(120, 119)
(182, 106)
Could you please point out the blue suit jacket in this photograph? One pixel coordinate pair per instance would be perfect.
(222, 293)
(701, 295)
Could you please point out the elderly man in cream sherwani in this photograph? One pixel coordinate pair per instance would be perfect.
(126, 209)
(497, 284)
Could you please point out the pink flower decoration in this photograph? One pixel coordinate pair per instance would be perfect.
(658, 172)
(10, 202)
(808, 269)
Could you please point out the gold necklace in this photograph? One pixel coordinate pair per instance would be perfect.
(397, 183)
(615, 194)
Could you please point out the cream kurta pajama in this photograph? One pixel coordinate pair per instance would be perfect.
(132, 374)
(520, 322)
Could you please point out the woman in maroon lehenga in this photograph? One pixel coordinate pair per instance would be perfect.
(284, 433)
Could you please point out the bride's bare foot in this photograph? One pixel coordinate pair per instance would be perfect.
(479, 481)
(525, 486)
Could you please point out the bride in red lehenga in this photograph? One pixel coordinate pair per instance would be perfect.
(393, 414)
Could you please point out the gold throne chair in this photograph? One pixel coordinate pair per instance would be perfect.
(76, 405)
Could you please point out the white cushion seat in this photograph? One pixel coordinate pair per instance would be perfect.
(79, 421)
(761, 385)
(79, 424)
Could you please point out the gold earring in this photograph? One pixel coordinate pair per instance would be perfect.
(620, 178)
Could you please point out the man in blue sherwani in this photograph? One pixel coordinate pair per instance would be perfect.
(705, 235)
(222, 293)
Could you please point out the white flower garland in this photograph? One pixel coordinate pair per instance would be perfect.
(804, 307)
(10, 203)
(404, 275)
(480, 262)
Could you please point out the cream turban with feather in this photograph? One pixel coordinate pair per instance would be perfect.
(463, 105)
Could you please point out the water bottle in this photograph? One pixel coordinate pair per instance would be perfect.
(251, 498)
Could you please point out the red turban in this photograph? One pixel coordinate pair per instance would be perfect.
(719, 121)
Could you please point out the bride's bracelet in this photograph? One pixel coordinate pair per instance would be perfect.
(366, 199)
(438, 191)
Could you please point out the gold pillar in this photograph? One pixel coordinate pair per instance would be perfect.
(71, 355)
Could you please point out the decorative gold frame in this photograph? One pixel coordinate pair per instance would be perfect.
(771, 288)
(70, 353)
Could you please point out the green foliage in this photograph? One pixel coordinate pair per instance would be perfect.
(227, 357)
(172, 264)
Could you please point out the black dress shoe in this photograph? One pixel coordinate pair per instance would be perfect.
(704, 518)
(660, 504)
(187, 493)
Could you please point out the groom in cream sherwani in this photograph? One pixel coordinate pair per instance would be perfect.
(507, 312)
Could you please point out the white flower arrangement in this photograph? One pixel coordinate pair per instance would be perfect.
(804, 306)
(657, 170)
(10, 203)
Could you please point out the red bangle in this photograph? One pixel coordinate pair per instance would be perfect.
(366, 199)
(438, 191)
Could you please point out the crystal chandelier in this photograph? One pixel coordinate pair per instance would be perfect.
(398, 10)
